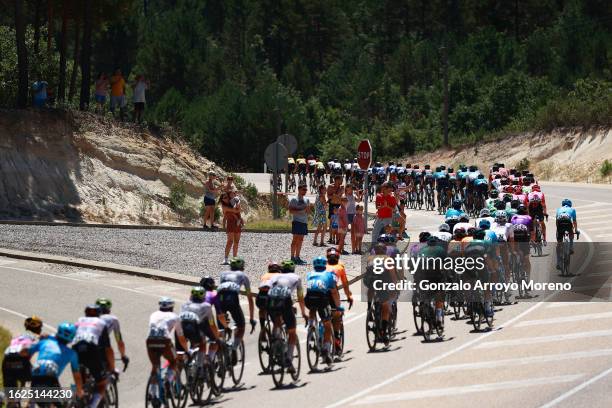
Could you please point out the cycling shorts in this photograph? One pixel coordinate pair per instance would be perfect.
(262, 299)
(320, 303)
(192, 332)
(562, 228)
(230, 302)
(92, 357)
(302, 168)
(159, 346)
(16, 370)
(537, 213)
(282, 307)
(291, 167)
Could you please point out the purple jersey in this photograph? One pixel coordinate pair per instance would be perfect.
(522, 219)
(213, 300)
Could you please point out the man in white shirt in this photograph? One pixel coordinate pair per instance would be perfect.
(139, 89)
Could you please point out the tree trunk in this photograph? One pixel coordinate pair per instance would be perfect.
(37, 27)
(75, 56)
(61, 87)
(22, 56)
(49, 24)
(86, 55)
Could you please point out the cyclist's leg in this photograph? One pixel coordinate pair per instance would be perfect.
(290, 324)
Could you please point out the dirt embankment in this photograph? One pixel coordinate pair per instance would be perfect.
(562, 155)
(80, 167)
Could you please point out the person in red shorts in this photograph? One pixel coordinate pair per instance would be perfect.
(385, 202)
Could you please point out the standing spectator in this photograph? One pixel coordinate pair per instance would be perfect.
(298, 207)
(40, 93)
(385, 203)
(352, 199)
(343, 224)
(319, 220)
(211, 190)
(229, 184)
(102, 84)
(333, 226)
(230, 205)
(357, 230)
(139, 87)
(117, 83)
(334, 197)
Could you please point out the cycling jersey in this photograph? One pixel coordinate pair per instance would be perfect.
(522, 219)
(567, 210)
(290, 160)
(338, 270)
(320, 166)
(322, 282)
(53, 357)
(266, 278)
(233, 280)
(162, 324)
(91, 330)
(112, 324)
(213, 299)
(347, 166)
(522, 198)
(473, 175)
(451, 212)
(301, 161)
(465, 225)
(284, 284)
(355, 166)
(442, 236)
(532, 197)
(480, 182)
(312, 162)
(20, 343)
(199, 312)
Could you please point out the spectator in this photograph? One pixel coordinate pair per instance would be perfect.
(102, 84)
(343, 224)
(319, 220)
(40, 93)
(230, 205)
(357, 230)
(334, 197)
(385, 202)
(333, 226)
(352, 199)
(211, 190)
(117, 83)
(139, 87)
(229, 184)
(298, 207)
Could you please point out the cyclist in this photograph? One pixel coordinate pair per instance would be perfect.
(433, 272)
(301, 168)
(262, 296)
(16, 368)
(112, 323)
(198, 322)
(334, 265)
(383, 297)
(321, 295)
(443, 233)
(523, 234)
(320, 172)
(53, 356)
(478, 248)
(505, 238)
(162, 324)
(290, 165)
(464, 222)
(212, 298)
(537, 208)
(484, 214)
(230, 283)
(92, 344)
(492, 200)
(455, 210)
(281, 310)
(566, 222)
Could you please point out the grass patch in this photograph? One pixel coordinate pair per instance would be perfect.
(606, 168)
(269, 224)
(5, 339)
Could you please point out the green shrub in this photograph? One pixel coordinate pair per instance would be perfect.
(523, 164)
(606, 168)
(250, 192)
(178, 194)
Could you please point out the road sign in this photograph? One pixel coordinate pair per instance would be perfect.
(276, 156)
(364, 154)
(289, 141)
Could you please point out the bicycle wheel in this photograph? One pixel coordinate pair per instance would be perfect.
(277, 362)
(111, 397)
(152, 398)
(297, 362)
(263, 350)
(426, 321)
(393, 322)
(178, 389)
(312, 349)
(340, 350)
(219, 370)
(416, 317)
(477, 315)
(371, 330)
(237, 370)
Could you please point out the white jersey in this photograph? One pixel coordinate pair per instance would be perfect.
(330, 164)
(442, 236)
(347, 166)
(504, 233)
(337, 166)
(200, 312)
(90, 330)
(465, 225)
(112, 323)
(162, 324)
(312, 162)
(355, 166)
(284, 284)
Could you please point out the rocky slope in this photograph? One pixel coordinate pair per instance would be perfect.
(563, 155)
(81, 167)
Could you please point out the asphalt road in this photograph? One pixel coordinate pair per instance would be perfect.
(540, 354)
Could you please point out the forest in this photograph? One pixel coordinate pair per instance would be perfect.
(410, 75)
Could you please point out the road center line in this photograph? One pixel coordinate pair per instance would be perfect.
(15, 313)
(565, 319)
(577, 388)
(543, 339)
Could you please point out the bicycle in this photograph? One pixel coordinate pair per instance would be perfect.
(227, 362)
(291, 182)
(199, 377)
(429, 198)
(278, 350)
(429, 322)
(160, 391)
(519, 275)
(374, 333)
(566, 253)
(477, 309)
(263, 345)
(537, 244)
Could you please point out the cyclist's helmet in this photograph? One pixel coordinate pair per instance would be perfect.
(166, 304)
(451, 170)
(237, 264)
(92, 311)
(515, 204)
(484, 224)
(481, 176)
(427, 167)
(507, 198)
(33, 324)
(274, 267)
(535, 187)
(443, 167)
(459, 233)
(470, 231)
(479, 234)
(208, 283)
(457, 205)
(197, 294)
(432, 241)
(332, 256)
(416, 166)
(438, 169)
(380, 249)
(444, 227)
(485, 213)
(464, 218)
(104, 304)
(566, 202)
(378, 164)
(452, 221)
(319, 263)
(501, 217)
(500, 205)
(288, 266)
(424, 236)
(65, 332)
(494, 194)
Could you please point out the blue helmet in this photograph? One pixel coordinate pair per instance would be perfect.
(319, 263)
(566, 202)
(66, 332)
(457, 204)
(484, 224)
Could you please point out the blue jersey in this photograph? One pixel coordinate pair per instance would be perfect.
(378, 170)
(322, 282)
(451, 212)
(462, 174)
(438, 175)
(478, 182)
(567, 210)
(53, 357)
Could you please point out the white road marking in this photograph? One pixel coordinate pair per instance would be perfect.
(567, 304)
(84, 274)
(15, 313)
(543, 339)
(591, 287)
(6, 262)
(597, 229)
(604, 235)
(604, 262)
(518, 361)
(468, 389)
(565, 319)
(577, 388)
(599, 274)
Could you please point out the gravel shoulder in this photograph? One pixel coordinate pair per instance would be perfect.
(192, 253)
